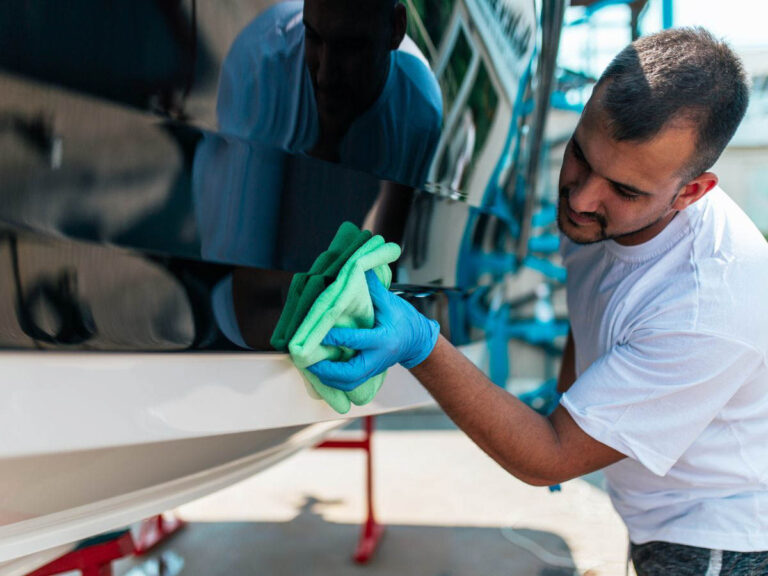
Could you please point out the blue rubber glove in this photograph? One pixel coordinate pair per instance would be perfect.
(401, 335)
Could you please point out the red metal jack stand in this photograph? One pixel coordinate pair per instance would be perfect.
(96, 559)
(154, 530)
(372, 531)
(93, 560)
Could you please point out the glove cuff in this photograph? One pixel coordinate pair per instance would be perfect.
(430, 332)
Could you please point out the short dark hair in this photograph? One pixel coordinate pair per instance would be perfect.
(682, 73)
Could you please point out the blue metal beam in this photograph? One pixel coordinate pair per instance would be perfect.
(667, 14)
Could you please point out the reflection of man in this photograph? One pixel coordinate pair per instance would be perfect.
(336, 79)
(665, 376)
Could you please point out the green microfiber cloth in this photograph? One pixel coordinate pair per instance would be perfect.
(345, 303)
(306, 287)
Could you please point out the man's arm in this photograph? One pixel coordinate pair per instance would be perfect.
(567, 367)
(538, 450)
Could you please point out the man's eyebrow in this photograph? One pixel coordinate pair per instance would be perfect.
(341, 37)
(630, 188)
(616, 184)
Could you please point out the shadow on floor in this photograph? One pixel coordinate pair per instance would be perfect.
(309, 544)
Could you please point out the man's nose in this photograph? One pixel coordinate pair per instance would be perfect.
(588, 196)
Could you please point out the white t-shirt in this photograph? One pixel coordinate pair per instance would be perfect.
(671, 343)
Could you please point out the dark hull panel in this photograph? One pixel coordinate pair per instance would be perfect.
(138, 213)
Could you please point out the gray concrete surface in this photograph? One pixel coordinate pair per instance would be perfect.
(449, 511)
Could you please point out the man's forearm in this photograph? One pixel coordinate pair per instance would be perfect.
(522, 441)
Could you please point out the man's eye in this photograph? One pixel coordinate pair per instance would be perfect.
(626, 194)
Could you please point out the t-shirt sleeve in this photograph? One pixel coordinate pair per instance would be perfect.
(650, 398)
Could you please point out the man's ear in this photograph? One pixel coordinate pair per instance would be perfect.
(399, 25)
(695, 190)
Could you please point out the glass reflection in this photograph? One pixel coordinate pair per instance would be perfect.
(143, 53)
(337, 80)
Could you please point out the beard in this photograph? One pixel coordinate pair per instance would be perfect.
(602, 234)
(562, 217)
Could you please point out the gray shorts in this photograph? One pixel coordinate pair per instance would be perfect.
(666, 559)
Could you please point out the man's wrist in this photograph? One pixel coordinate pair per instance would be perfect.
(431, 333)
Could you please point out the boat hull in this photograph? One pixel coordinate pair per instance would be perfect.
(187, 425)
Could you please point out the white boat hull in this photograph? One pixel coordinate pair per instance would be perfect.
(107, 439)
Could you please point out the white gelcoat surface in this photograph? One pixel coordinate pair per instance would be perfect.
(94, 442)
(55, 402)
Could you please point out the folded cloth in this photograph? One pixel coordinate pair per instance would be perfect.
(306, 287)
(345, 303)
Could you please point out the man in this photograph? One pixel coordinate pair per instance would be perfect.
(665, 377)
(338, 80)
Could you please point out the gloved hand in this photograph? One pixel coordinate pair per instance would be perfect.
(401, 335)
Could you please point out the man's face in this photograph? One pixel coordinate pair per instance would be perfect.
(625, 191)
(347, 44)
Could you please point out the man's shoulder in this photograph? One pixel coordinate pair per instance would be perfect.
(728, 250)
(722, 227)
(712, 281)
(278, 30)
(417, 87)
(730, 256)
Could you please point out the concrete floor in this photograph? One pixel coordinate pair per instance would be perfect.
(449, 511)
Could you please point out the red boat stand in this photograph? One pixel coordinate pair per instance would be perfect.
(154, 530)
(93, 560)
(96, 559)
(372, 531)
